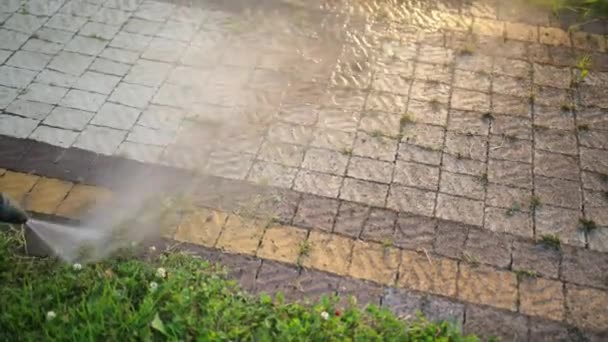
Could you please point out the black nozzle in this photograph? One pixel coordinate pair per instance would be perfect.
(10, 212)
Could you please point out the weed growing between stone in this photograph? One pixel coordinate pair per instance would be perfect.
(174, 296)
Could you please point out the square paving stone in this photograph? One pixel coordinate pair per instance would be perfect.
(30, 109)
(160, 117)
(468, 122)
(116, 116)
(557, 141)
(462, 165)
(54, 136)
(68, 118)
(132, 95)
(144, 27)
(201, 227)
(164, 50)
(96, 82)
(83, 100)
(382, 148)
(511, 67)
(402, 303)
(380, 226)
(462, 185)
(413, 153)
(120, 55)
(82, 200)
(508, 148)
(508, 85)
(148, 73)
(282, 244)
(86, 45)
(451, 237)
(55, 78)
(422, 272)
(100, 139)
(412, 200)
(472, 80)
(129, 41)
(460, 209)
(433, 72)
(111, 16)
(438, 309)
(16, 126)
(521, 31)
(25, 23)
(286, 154)
(549, 96)
(416, 175)
(511, 105)
(431, 91)
(46, 195)
(492, 323)
(364, 292)
(17, 185)
(511, 221)
(488, 286)
(313, 285)
(350, 219)
(510, 173)
(99, 31)
(271, 174)
(594, 160)
(70, 63)
(556, 165)
(558, 192)
(511, 126)
(371, 261)
(241, 235)
(466, 146)
(553, 117)
(325, 161)
(422, 135)
(548, 75)
(29, 60)
(380, 123)
(433, 113)
(15, 77)
(364, 192)
(584, 267)
(470, 100)
(329, 252)
(489, 247)
(12, 40)
(415, 232)
(371, 170)
(316, 212)
(586, 308)
(242, 268)
(318, 183)
(536, 257)
(386, 102)
(561, 222)
(390, 83)
(594, 139)
(44, 93)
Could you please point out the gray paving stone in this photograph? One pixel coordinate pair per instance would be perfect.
(164, 50)
(427, 136)
(10, 6)
(558, 192)
(139, 152)
(43, 7)
(413, 153)
(148, 73)
(25, 23)
(556, 165)
(510, 173)
(129, 41)
(509, 148)
(4, 54)
(466, 146)
(228, 164)
(594, 160)
(416, 175)
(55, 78)
(70, 63)
(489, 323)
(271, 174)
(100, 139)
(140, 26)
(561, 222)
(120, 55)
(111, 16)
(66, 22)
(177, 31)
(370, 170)
(594, 138)
(360, 191)
(15, 77)
(12, 40)
(79, 8)
(468, 122)
(326, 161)
(411, 200)
(286, 154)
(34, 110)
(462, 185)
(159, 117)
(132, 95)
(288, 133)
(54, 136)
(332, 139)
(41, 46)
(7, 95)
(149, 136)
(16, 126)
(415, 232)
(337, 118)
(460, 209)
(155, 11)
(99, 31)
(68, 118)
(472, 80)
(44, 93)
(107, 66)
(126, 5)
(598, 240)
(116, 116)
(83, 100)
(96, 82)
(86, 45)
(52, 35)
(317, 183)
(382, 148)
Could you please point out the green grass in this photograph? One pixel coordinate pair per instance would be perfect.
(587, 8)
(173, 297)
(550, 241)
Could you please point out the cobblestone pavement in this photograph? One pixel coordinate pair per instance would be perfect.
(436, 147)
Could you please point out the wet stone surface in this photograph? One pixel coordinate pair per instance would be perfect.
(460, 128)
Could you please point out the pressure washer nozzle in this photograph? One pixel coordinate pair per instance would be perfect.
(10, 212)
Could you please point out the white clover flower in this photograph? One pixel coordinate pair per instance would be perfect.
(153, 248)
(77, 267)
(153, 286)
(161, 272)
(325, 315)
(50, 315)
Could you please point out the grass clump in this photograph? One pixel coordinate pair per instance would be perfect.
(173, 297)
(523, 274)
(550, 241)
(406, 119)
(535, 202)
(583, 127)
(587, 225)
